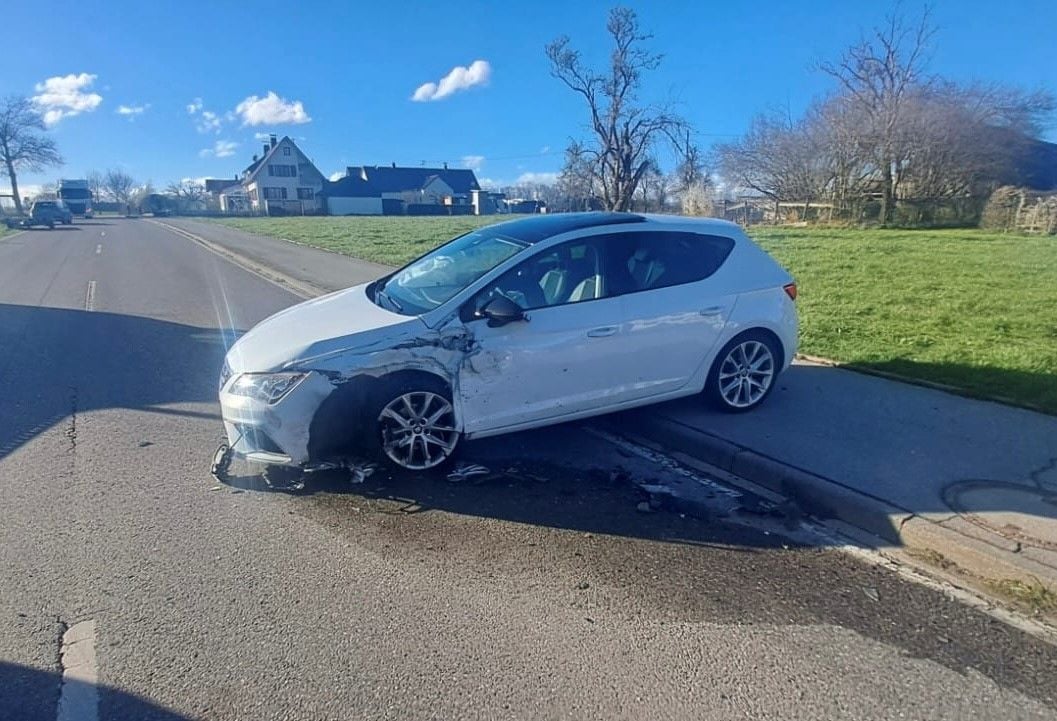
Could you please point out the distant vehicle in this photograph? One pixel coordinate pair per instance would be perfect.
(158, 205)
(517, 325)
(45, 213)
(77, 196)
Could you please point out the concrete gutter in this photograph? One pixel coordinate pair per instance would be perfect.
(946, 544)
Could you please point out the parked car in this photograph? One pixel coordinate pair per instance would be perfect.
(513, 326)
(45, 213)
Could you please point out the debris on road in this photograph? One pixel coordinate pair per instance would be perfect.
(465, 471)
(871, 593)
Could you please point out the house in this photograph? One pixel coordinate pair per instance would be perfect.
(282, 181)
(392, 190)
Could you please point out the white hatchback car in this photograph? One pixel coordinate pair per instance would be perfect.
(513, 326)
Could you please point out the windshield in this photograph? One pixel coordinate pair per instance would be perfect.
(437, 277)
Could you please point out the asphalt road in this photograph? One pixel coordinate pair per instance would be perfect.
(538, 591)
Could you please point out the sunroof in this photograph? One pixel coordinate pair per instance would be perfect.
(539, 227)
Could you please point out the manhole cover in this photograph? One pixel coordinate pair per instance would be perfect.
(1016, 511)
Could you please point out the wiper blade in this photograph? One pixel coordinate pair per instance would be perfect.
(385, 296)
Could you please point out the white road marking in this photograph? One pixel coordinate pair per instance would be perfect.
(102, 233)
(99, 249)
(89, 297)
(79, 696)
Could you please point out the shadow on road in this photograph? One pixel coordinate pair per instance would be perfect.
(29, 694)
(57, 362)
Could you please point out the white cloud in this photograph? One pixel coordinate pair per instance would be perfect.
(260, 137)
(337, 175)
(64, 96)
(537, 178)
(459, 78)
(271, 110)
(208, 122)
(131, 111)
(545, 149)
(220, 149)
(473, 162)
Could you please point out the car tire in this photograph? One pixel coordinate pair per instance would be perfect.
(412, 424)
(748, 363)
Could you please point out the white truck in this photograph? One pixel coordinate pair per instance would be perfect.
(77, 196)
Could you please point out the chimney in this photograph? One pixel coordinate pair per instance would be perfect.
(266, 148)
(273, 140)
(445, 166)
(255, 158)
(394, 163)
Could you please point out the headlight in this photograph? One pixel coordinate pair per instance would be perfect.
(265, 387)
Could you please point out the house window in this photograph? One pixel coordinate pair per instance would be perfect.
(275, 193)
(282, 171)
(253, 195)
(286, 151)
(305, 194)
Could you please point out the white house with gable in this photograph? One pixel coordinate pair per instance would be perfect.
(283, 181)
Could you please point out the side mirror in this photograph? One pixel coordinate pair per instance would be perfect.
(500, 311)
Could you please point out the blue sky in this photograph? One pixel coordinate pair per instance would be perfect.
(353, 68)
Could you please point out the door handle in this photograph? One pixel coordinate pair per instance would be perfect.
(602, 332)
(712, 310)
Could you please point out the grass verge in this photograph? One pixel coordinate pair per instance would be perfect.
(972, 310)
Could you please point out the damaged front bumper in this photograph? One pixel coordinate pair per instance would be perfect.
(273, 433)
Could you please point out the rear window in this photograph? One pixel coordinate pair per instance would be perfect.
(659, 259)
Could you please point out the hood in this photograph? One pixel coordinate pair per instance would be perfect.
(340, 321)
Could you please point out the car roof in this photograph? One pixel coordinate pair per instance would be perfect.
(540, 227)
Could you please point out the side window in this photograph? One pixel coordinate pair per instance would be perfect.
(659, 259)
(568, 273)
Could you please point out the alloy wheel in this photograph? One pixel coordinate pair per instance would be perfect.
(746, 374)
(418, 430)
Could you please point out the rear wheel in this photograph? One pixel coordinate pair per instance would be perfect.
(415, 425)
(744, 372)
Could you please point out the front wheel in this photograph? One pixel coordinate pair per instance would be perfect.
(416, 426)
(744, 372)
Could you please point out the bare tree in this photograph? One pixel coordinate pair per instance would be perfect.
(187, 191)
(624, 133)
(577, 183)
(95, 184)
(23, 146)
(119, 185)
(878, 75)
(777, 158)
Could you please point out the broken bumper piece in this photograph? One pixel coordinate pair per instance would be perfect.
(273, 433)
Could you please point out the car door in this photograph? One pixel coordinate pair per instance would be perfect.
(555, 362)
(674, 310)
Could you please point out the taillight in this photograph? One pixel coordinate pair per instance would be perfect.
(790, 290)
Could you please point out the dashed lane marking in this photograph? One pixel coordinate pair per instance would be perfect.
(89, 297)
(99, 249)
(79, 695)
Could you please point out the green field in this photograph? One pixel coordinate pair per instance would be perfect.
(965, 308)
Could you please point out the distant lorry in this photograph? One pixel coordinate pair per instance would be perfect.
(77, 196)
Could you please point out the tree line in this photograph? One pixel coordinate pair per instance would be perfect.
(889, 132)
